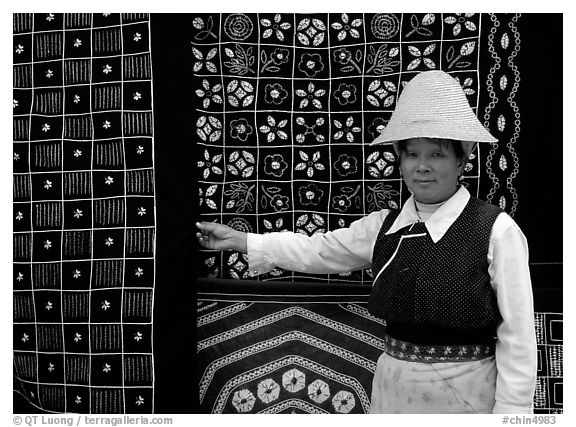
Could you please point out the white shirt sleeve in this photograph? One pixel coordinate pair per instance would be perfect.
(516, 355)
(337, 251)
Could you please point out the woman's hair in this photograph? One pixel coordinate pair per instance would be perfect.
(458, 150)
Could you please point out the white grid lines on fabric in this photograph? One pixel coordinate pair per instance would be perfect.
(125, 203)
(155, 222)
(84, 58)
(224, 140)
(62, 243)
(32, 230)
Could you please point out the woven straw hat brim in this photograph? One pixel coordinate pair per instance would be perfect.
(433, 105)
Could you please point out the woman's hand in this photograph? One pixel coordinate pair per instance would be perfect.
(221, 237)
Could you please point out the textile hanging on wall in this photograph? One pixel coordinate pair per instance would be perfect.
(84, 212)
(287, 105)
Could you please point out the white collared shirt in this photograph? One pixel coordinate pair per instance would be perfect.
(351, 248)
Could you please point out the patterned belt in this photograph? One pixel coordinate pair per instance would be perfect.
(436, 353)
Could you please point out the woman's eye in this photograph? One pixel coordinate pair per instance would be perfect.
(438, 154)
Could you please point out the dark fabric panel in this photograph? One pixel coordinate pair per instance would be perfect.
(540, 96)
(175, 302)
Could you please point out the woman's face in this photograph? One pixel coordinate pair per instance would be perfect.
(430, 169)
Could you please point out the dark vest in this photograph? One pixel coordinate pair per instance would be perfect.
(444, 284)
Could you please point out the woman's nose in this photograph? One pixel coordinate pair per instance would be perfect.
(423, 167)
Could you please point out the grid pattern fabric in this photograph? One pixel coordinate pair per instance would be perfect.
(84, 212)
(549, 397)
(287, 104)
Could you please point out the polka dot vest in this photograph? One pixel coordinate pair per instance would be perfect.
(444, 283)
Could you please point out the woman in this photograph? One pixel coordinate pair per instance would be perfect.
(451, 272)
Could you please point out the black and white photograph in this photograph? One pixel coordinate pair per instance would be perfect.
(320, 212)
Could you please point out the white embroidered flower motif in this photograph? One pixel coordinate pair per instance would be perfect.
(77, 153)
(343, 402)
(294, 380)
(19, 216)
(268, 390)
(310, 164)
(78, 213)
(77, 337)
(274, 27)
(240, 93)
(467, 86)
(384, 91)
(105, 305)
(137, 37)
(243, 400)
(78, 400)
(76, 274)
(76, 99)
(311, 31)
(25, 337)
(241, 163)
(210, 66)
(108, 180)
(210, 164)
(106, 124)
(77, 43)
(310, 96)
(49, 73)
(141, 211)
(210, 191)
(45, 127)
(209, 128)
(137, 336)
(49, 17)
(347, 129)
(47, 184)
(273, 130)
(139, 401)
(107, 69)
(380, 166)
(47, 244)
(421, 56)
(137, 96)
(51, 367)
(19, 49)
(138, 272)
(20, 277)
(49, 306)
(347, 27)
(318, 391)
(139, 149)
(460, 20)
(15, 103)
(16, 156)
(109, 241)
(106, 368)
(309, 224)
(210, 94)
(310, 129)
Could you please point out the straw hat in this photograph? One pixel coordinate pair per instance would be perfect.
(433, 105)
